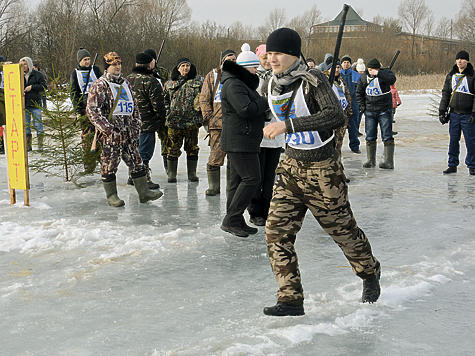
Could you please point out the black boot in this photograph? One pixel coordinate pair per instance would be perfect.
(451, 169)
(165, 163)
(284, 309)
(371, 288)
(191, 164)
(172, 168)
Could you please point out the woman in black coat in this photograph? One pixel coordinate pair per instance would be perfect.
(243, 120)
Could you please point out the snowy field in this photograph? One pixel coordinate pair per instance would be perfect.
(78, 277)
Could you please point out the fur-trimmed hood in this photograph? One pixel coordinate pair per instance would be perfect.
(234, 70)
(142, 70)
(467, 71)
(190, 75)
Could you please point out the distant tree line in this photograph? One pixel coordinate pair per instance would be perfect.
(52, 33)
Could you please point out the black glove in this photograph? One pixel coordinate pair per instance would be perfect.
(472, 119)
(443, 117)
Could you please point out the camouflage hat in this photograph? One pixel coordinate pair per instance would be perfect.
(111, 59)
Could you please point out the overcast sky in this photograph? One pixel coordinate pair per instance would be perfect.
(254, 12)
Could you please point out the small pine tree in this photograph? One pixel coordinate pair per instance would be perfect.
(62, 154)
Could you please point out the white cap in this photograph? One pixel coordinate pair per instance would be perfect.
(247, 58)
(360, 67)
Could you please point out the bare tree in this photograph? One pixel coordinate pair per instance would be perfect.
(11, 16)
(464, 27)
(443, 28)
(430, 25)
(303, 24)
(277, 18)
(412, 14)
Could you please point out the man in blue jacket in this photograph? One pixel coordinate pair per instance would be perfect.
(351, 79)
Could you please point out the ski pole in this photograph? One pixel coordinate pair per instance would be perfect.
(338, 42)
(394, 59)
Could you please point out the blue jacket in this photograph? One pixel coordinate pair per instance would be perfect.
(351, 79)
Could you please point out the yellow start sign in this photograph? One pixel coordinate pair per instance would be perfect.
(15, 137)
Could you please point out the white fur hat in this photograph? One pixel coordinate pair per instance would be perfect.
(247, 58)
(360, 67)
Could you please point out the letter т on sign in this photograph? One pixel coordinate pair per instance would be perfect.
(15, 135)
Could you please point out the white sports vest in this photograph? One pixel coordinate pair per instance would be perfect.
(217, 97)
(307, 140)
(82, 77)
(373, 88)
(340, 94)
(125, 106)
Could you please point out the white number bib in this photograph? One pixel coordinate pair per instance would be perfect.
(82, 77)
(373, 88)
(462, 82)
(340, 94)
(125, 105)
(307, 140)
(1, 84)
(217, 96)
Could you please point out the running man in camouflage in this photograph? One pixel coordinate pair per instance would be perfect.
(310, 177)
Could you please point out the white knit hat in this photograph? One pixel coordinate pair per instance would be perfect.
(360, 67)
(247, 58)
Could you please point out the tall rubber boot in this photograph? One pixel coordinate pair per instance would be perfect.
(172, 164)
(140, 184)
(29, 138)
(151, 185)
(371, 154)
(191, 164)
(388, 155)
(40, 141)
(165, 163)
(110, 186)
(214, 180)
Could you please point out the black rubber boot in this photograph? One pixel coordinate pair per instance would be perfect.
(388, 155)
(214, 180)
(284, 309)
(165, 163)
(371, 288)
(371, 154)
(140, 184)
(110, 186)
(151, 185)
(191, 164)
(172, 167)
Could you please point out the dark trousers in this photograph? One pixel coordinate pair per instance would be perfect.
(269, 159)
(459, 123)
(354, 124)
(245, 177)
(146, 146)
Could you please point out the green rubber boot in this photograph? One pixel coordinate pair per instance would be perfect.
(388, 156)
(111, 194)
(214, 180)
(145, 194)
(191, 164)
(172, 167)
(371, 154)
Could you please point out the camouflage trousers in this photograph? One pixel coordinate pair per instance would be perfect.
(112, 154)
(320, 187)
(216, 154)
(176, 138)
(339, 136)
(162, 133)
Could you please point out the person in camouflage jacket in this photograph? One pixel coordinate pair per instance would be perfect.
(118, 120)
(210, 103)
(149, 95)
(183, 117)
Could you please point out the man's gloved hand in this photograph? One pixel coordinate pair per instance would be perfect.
(472, 119)
(443, 117)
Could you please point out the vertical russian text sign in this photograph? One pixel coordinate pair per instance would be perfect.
(18, 175)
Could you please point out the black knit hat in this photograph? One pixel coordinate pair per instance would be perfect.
(82, 53)
(284, 40)
(373, 63)
(310, 60)
(181, 61)
(462, 55)
(226, 53)
(346, 58)
(143, 58)
(151, 53)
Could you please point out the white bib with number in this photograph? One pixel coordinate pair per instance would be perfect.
(460, 83)
(340, 94)
(125, 105)
(1, 84)
(307, 140)
(373, 88)
(82, 77)
(217, 96)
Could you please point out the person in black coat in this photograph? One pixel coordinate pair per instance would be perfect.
(243, 120)
(458, 96)
(35, 85)
(81, 80)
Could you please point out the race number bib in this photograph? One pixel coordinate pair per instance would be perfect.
(82, 79)
(460, 84)
(125, 105)
(340, 94)
(373, 88)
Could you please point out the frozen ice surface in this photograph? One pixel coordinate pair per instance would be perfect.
(78, 277)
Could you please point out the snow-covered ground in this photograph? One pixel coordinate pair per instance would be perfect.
(78, 277)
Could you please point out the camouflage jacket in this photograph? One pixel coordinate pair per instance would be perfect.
(181, 97)
(122, 128)
(211, 110)
(149, 94)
